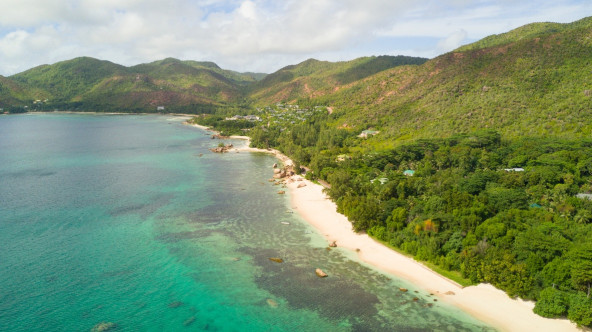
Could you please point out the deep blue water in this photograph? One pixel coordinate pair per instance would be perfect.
(131, 220)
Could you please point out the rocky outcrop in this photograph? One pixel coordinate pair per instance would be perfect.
(222, 149)
(281, 192)
(321, 274)
(333, 244)
(272, 303)
(301, 185)
(280, 173)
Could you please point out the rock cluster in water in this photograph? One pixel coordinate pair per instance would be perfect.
(222, 149)
(103, 326)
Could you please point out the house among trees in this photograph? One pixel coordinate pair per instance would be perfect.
(246, 117)
(515, 169)
(160, 108)
(367, 133)
(409, 172)
(584, 196)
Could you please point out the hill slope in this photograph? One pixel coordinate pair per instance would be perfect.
(532, 84)
(14, 94)
(67, 80)
(313, 78)
(90, 84)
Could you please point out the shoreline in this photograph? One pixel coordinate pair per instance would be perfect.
(484, 302)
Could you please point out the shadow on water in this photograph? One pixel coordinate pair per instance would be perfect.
(144, 210)
(180, 236)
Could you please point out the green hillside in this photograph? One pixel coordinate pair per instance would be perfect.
(529, 31)
(313, 78)
(14, 96)
(67, 80)
(532, 86)
(88, 84)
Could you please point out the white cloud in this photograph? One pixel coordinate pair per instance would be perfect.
(255, 35)
(454, 40)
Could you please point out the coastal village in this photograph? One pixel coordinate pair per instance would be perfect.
(280, 114)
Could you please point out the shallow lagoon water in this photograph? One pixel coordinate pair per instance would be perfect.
(130, 219)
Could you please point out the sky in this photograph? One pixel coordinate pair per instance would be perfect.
(256, 35)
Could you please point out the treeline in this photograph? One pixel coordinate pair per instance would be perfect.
(110, 108)
(225, 127)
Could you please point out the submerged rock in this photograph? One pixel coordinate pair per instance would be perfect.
(272, 303)
(403, 289)
(281, 192)
(175, 304)
(189, 321)
(276, 259)
(103, 326)
(320, 273)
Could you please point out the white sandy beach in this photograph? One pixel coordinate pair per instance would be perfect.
(483, 301)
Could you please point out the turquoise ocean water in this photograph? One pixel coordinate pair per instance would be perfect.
(110, 218)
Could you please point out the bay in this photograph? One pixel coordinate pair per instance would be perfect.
(130, 219)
